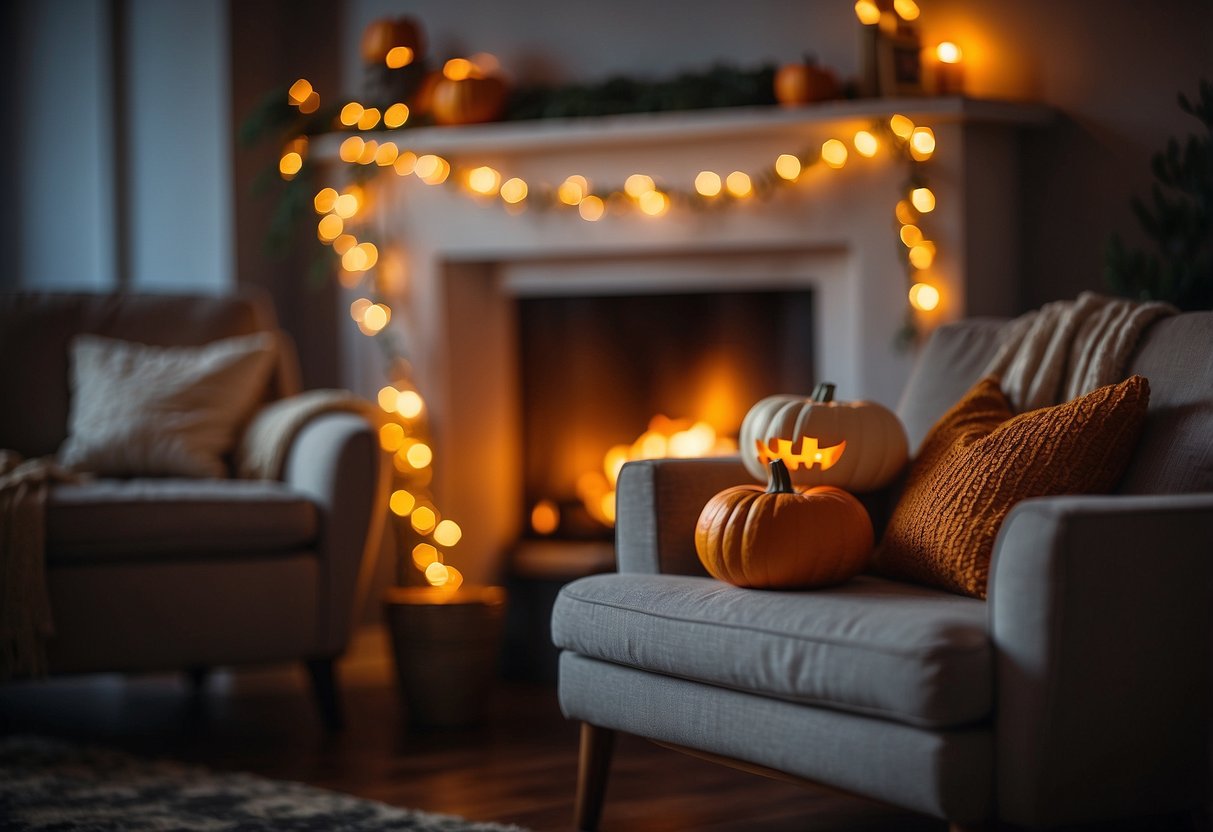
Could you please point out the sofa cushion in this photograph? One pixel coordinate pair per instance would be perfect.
(121, 521)
(870, 646)
(140, 410)
(978, 462)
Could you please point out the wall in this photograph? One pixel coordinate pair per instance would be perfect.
(123, 141)
(1111, 68)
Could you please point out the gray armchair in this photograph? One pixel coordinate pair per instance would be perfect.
(166, 573)
(1078, 692)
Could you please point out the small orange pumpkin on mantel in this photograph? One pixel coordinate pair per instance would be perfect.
(463, 94)
(783, 539)
(382, 35)
(804, 83)
(859, 446)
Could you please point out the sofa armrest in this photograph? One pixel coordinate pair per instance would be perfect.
(657, 505)
(1100, 618)
(335, 459)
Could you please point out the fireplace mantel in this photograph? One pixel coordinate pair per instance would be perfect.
(453, 262)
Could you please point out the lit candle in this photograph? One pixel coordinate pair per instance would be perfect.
(949, 72)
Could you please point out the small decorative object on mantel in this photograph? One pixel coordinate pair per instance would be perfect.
(947, 73)
(783, 539)
(1178, 219)
(467, 92)
(860, 445)
(890, 47)
(805, 83)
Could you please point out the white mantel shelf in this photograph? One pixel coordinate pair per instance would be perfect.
(540, 135)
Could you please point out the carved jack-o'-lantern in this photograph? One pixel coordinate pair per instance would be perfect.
(859, 446)
(779, 538)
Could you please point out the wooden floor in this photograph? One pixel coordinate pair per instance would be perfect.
(520, 767)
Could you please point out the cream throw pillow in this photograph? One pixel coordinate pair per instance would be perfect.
(166, 411)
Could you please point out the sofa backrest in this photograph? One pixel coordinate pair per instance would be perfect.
(1175, 452)
(36, 329)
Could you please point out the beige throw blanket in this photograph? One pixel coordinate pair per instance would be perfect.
(1068, 348)
(25, 610)
(262, 451)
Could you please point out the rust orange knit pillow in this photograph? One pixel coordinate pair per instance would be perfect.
(980, 459)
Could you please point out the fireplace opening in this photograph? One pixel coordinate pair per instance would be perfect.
(651, 375)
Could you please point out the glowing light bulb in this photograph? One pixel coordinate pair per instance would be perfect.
(573, 189)
(395, 115)
(405, 163)
(376, 316)
(358, 309)
(391, 436)
(351, 149)
(431, 169)
(484, 180)
(311, 105)
(290, 164)
(370, 253)
(906, 215)
(513, 190)
(387, 398)
(868, 12)
(906, 9)
(922, 255)
(901, 126)
(324, 200)
(447, 533)
(866, 144)
(424, 519)
(386, 154)
(409, 404)
(300, 91)
(545, 517)
(368, 152)
(350, 113)
(922, 143)
(637, 185)
(344, 243)
(834, 153)
(401, 503)
(924, 297)
(398, 56)
(654, 203)
(346, 205)
(419, 455)
(708, 183)
(923, 199)
(458, 69)
(368, 119)
(423, 555)
(911, 235)
(329, 228)
(788, 167)
(591, 208)
(948, 53)
(738, 184)
(437, 574)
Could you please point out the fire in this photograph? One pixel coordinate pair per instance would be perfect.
(665, 437)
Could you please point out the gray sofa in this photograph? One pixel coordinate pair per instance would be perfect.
(150, 574)
(1079, 692)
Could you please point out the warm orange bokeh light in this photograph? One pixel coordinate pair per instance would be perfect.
(868, 12)
(708, 183)
(395, 115)
(409, 404)
(398, 56)
(300, 91)
(447, 533)
(545, 517)
(401, 503)
(738, 184)
(834, 153)
(513, 190)
(866, 144)
(924, 297)
(788, 167)
(591, 208)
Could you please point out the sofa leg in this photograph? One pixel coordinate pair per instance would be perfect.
(323, 673)
(593, 766)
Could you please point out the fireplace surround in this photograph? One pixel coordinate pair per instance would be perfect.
(455, 265)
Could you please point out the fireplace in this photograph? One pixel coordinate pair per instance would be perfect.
(467, 274)
(596, 372)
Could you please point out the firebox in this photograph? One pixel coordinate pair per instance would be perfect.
(607, 378)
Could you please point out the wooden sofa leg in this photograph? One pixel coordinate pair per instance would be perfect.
(593, 766)
(323, 673)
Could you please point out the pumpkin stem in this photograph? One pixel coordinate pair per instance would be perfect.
(823, 392)
(779, 480)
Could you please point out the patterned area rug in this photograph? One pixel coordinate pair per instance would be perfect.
(50, 785)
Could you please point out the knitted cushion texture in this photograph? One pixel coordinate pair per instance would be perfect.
(980, 459)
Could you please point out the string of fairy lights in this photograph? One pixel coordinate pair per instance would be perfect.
(343, 214)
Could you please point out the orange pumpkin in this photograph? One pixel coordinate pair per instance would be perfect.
(804, 83)
(467, 100)
(782, 539)
(381, 36)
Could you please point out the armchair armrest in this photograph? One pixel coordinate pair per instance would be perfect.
(335, 459)
(1100, 618)
(657, 504)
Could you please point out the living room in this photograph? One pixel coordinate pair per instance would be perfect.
(629, 224)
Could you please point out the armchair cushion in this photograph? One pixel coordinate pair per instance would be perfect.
(147, 410)
(978, 462)
(125, 521)
(871, 646)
